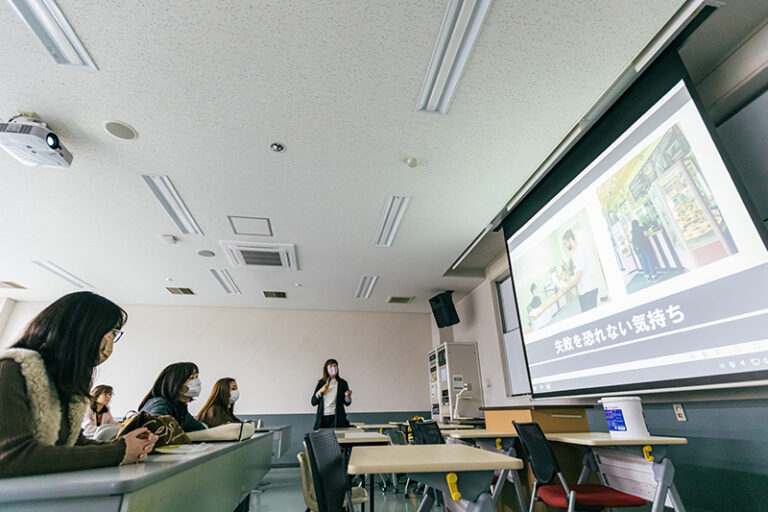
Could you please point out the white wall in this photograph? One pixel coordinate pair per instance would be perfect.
(275, 355)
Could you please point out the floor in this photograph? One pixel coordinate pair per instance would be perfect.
(283, 494)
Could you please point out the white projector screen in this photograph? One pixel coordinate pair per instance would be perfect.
(647, 270)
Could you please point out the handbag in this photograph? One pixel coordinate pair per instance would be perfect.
(166, 428)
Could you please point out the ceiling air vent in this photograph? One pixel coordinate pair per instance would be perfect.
(11, 284)
(274, 295)
(261, 255)
(180, 291)
(399, 300)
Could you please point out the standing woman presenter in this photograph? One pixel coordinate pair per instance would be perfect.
(331, 395)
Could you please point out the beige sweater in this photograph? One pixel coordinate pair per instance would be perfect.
(91, 421)
(39, 434)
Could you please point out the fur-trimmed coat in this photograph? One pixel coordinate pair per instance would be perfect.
(39, 434)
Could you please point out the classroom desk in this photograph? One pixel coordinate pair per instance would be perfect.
(441, 426)
(636, 466)
(431, 464)
(214, 480)
(282, 437)
(503, 442)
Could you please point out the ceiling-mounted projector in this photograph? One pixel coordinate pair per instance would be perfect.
(29, 141)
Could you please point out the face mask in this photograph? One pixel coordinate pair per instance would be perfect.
(333, 371)
(193, 388)
(233, 396)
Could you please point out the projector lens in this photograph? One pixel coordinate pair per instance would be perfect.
(52, 140)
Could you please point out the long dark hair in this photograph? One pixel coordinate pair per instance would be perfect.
(67, 334)
(96, 392)
(170, 381)
(219, 398)
(325, 369)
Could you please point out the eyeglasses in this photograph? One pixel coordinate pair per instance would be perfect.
(116, 335)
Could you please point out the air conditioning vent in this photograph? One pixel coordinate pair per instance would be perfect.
(399, 300)
(261, 255)
(274, 295)
(180, 291)
(11, 284)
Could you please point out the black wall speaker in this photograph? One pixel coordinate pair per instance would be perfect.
(443, 310)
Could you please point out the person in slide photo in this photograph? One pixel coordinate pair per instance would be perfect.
(331, 396)
(644, 250)
(584, 276)
(45, 382)
(220, 407)
(97, 413)
(176, 386)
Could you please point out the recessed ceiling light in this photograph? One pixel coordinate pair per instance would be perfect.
(365, 287)
(63, 274)
(277, 147)
(394, 209)
(205, 253)
(121, 130)
(11, 284)
(172, 203)
(225, 280)
(412, 161)
(53, 30)
(461, 25)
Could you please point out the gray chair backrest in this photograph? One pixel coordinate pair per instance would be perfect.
(329, 472)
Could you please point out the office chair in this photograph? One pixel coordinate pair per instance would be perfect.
(579, 497)
(359, 494)
(329, 473)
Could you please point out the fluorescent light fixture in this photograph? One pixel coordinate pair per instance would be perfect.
(226, 281)
(365, 287)
(171, 201)
(461, 25)
(63, 274)
(394, 209)
(55, 33)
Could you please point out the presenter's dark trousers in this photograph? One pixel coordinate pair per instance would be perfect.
(328, 421)
(588, 300)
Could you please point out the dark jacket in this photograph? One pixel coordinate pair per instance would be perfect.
(159, 406)
(341, 400)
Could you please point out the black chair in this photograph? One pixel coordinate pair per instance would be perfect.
(412, 429)
(329, 472)
(427, 432)
(578, 497)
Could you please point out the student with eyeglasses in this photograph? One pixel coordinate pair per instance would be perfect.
(45, 382)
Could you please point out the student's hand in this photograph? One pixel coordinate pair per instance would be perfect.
(348, 394)
(323, 389)
(138, 444)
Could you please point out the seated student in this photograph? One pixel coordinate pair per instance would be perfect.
(44, 382)
(97, 414)
(176, 386)
(219, 409)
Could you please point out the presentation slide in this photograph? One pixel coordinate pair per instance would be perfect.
(646, 269)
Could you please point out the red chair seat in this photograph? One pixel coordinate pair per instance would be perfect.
(590, 495)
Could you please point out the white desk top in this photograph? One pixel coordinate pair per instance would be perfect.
(441, 426)
(376, 426)
(605, 439)
(111, 480)
(426, 458)
(478, 433)
(360, 437)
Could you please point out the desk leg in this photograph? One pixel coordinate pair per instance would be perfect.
(426, 501)
(664, 474)
(588, 465)
(372, 493)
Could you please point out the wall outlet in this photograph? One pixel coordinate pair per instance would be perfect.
(679, 412)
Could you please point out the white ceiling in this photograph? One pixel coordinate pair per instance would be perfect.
(209, 85)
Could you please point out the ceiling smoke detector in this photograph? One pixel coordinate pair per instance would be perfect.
(121, 130)
(277, 147)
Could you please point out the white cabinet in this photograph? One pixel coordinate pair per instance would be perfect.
(454, 375)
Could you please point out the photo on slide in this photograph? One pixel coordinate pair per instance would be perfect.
(561, 276)
(662, 215)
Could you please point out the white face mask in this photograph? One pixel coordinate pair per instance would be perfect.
(233, 396)
(193, 388)
(332, 370)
